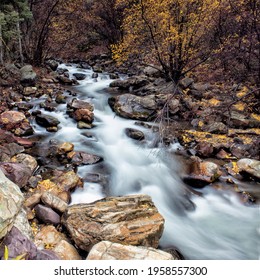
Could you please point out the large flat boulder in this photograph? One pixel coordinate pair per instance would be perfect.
(107, 250)
(129, 220)
(11, 199)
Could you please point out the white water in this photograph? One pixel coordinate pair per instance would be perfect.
(220, 227)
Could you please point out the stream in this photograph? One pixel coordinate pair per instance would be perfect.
(214, 225)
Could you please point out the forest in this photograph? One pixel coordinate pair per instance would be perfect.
(179, 37)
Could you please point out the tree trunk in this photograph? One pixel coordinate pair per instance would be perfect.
(20, 41)
(1, 46)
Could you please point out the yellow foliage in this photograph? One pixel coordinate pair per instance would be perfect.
(240, 106)
(46, 185)
(214, 102)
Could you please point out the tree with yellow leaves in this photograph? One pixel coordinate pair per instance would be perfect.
(167, 33)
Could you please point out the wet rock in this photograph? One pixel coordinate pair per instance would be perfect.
(24, 106)
(65, 147)
(18, 173)
(67, 181)
(28, 76)
(54, 202)
(84, 115)
(201, 173)
(249, 167)
(79, 76)
(60, 98)
(27, 160)
(83, 125)
(107, 250)
(83, 158)
(113, 76)
(134, 134)
(65, 81)
(11, 200)
(75, 104)
(46, 121)
(48, 106)
(134, 107)
(129, 220)
(46, 215)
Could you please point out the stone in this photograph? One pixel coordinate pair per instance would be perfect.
(134, 107)
(27, 160)
(18, 173)
(27, 91)
(54, 202)
(46, 120)
(249, 167)
(75, 104)
(64, 80)
(28, 76)
(11, 200)
(46, 215)
(186, 82)
(18, 244)
(67, 181)
(107, 250)
(79, 76)
(21, 223)
(53, 64)
(129, 220)
(134, 82)
(201, 173)
(216, 127)
(83, 158)
(33, 200)
(152, 72)
(134, 134)
(84, 115)
(65, 147)
(66, 251)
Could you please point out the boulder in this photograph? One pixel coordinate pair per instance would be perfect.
(75, 104)
(129, 220)
(53, 64)
(79, 76)
(107, 250)
(201, 173)
(27, 160)
(84, 115)
(65, 80)
(11, 200)
(249, 167)
(134, 134)
(20, 246)
(18, 173)
(152, 72)
(46, 120)
(134, 107)
(134, 82)
(28, 76)
(83, 158)
(66, 251)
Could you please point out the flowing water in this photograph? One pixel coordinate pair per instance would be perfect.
(214, 225)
